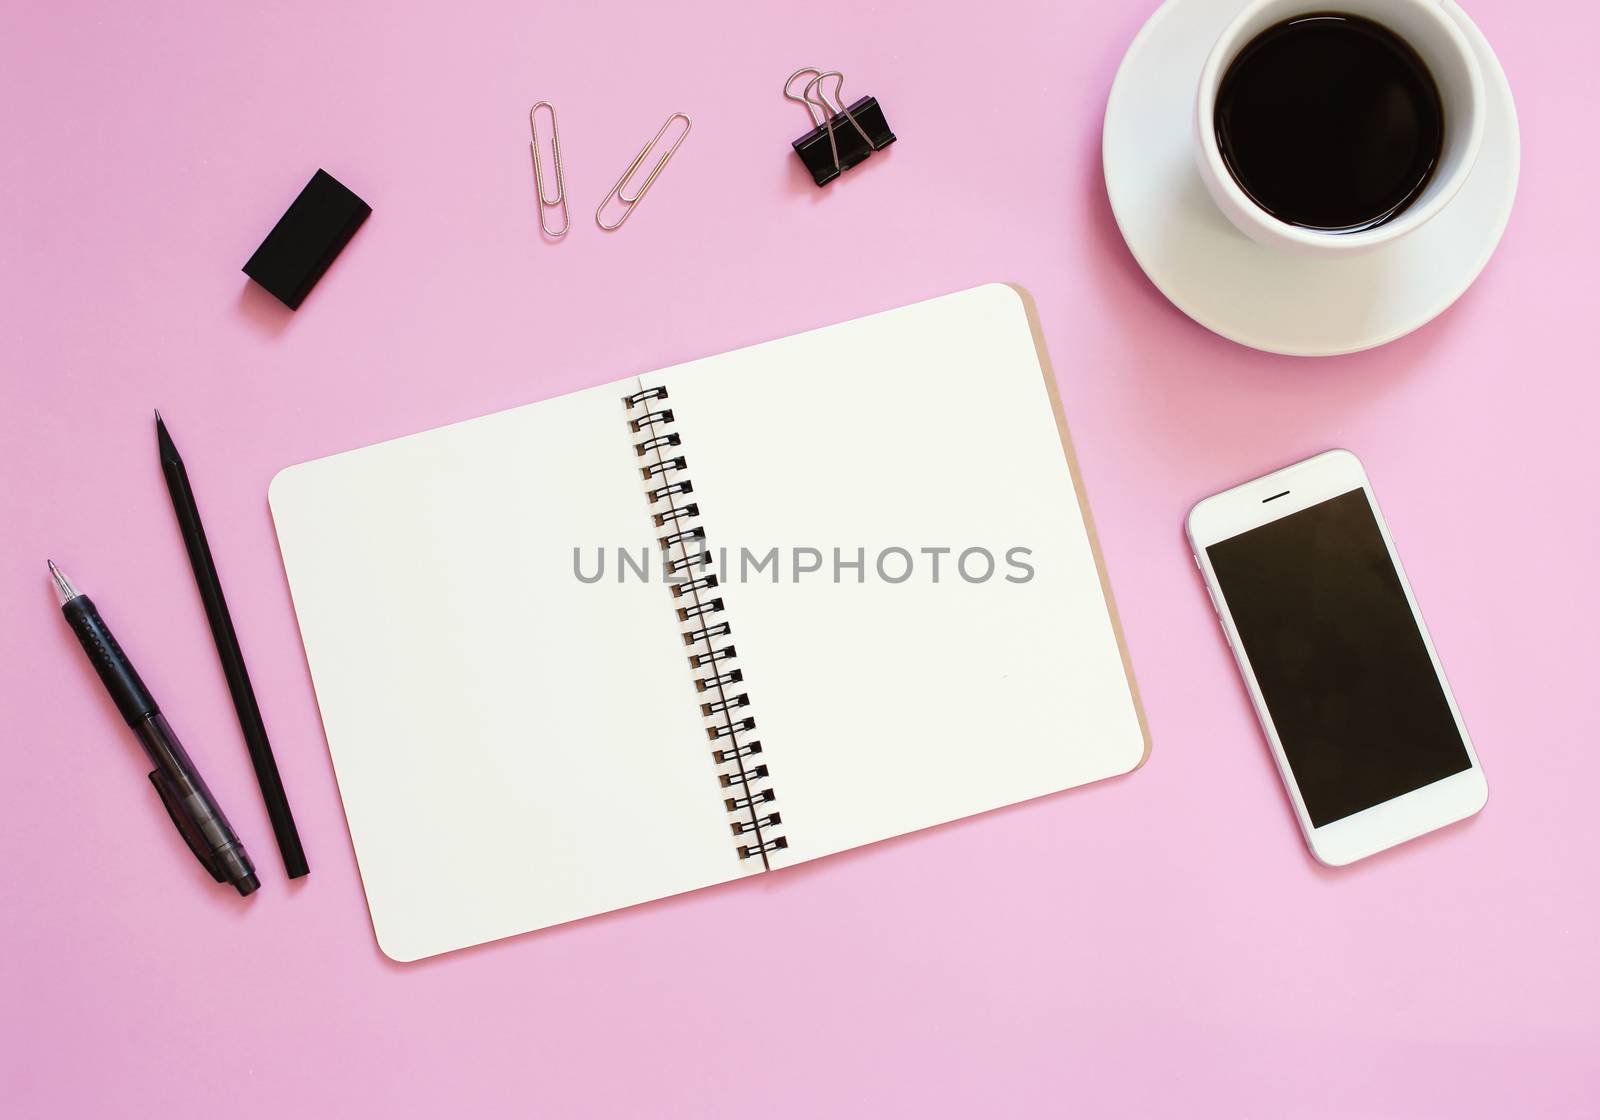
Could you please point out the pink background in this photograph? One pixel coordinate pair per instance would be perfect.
(1155, 944)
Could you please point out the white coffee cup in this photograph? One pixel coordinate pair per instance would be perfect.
(1443, 48)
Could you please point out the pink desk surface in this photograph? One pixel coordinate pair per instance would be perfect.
(1158, 945)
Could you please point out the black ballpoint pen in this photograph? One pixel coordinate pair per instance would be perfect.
(190, 804)
(227, 643)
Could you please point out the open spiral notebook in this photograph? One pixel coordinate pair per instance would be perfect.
(706, 622)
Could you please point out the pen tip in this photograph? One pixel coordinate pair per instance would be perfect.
(164, 445)
(64, 588)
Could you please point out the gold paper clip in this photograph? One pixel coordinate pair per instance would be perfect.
(545, 202)
(620, 195)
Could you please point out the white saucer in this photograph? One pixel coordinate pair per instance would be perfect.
(1262, 298)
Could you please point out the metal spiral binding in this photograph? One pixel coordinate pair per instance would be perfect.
(736, 753)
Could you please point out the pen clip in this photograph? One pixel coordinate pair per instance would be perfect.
(186, 827)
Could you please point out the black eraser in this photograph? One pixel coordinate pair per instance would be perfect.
(311, 233)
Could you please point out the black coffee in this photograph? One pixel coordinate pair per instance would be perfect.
(1330, 121)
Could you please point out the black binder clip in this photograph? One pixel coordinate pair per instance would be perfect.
(841, 136)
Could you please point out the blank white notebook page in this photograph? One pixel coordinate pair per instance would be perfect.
(884, 707)
(514, 748)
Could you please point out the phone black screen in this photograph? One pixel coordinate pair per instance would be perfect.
(1340, 661)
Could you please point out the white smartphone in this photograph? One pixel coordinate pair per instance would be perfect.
(1312, 598)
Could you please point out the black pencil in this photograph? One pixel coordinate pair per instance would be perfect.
(244, 697)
